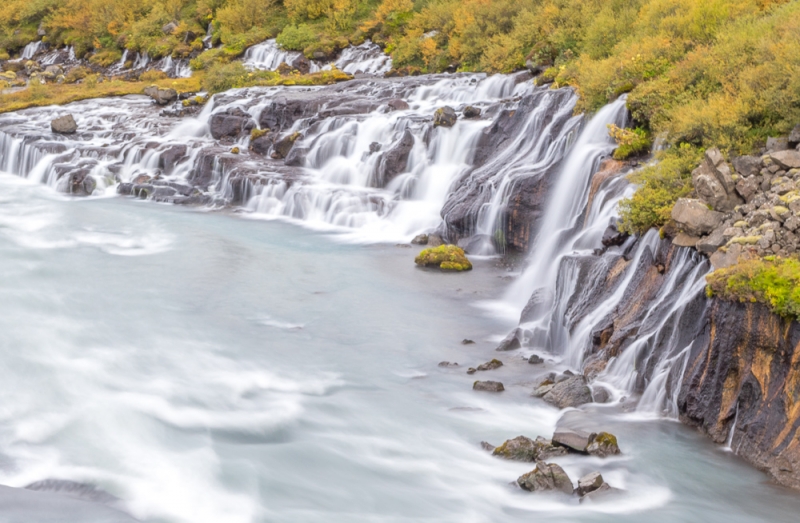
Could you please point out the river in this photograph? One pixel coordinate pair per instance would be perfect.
(208, 367)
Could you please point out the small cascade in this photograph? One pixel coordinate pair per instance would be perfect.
(269, 55)
(142, 60)
(208, 38)
(31, 49)
(367, 58)
(176, 68)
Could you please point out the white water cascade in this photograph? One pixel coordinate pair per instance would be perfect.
(31, 49)
(367, 58)
(269, 55)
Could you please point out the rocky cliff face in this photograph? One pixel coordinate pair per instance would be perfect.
(744, 376)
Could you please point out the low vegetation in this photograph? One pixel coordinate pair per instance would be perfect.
(223, 76)
(771, 281)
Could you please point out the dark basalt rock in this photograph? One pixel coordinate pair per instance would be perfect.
(570, 392)
(471, 112)
(282, 147)
(231, 123)
(170, 157)
(395, 160)
(511, 342)
(744, 362)
(397, 105)
(444, 117)
(526, 449)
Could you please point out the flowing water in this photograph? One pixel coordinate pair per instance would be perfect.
(197, 366)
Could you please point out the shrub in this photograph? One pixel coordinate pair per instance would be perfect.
(630, 142)
(296, 37)
(153, 75)
(223, 76)
(660, 186)
(772, 281)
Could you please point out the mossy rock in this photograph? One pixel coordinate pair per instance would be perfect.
(445, 257)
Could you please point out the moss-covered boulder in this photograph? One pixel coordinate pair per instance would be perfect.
(445, 257)
(526, 449)
(602, 445)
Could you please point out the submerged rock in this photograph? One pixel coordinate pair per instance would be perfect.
(420, 239)
(571, 392)
(64, 124)
(445, 257)
(488, 386)
(282, 147)
(535, 359)
(471, 112)
(526, 449)
(545, 477)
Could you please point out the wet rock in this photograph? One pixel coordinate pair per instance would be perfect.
(466, 341)
(600, 394)
(571, 392)
(64, 124)
(488, 386)
(789, 159)
(542, 389)
(471, 112)
(540, 301)
(297, 156)
(447, 364)
(589, 483)
(472, 370)
(694, 217)
(535, 359)
(491, 365)
(526, 449)
(262, 143)
(398, 105)
(231, 123)
(282, 147)
(301, 64)
(444, 117)
(600, 492)
(170, 157)
(511, 342)
(546, 477)
(573, 439)
(612, 236)
(161, 96)
(420, 239)
(603, 445)
(487, 446)
(395, 160)
(435, 240)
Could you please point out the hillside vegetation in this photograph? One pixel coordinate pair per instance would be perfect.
(722, 73)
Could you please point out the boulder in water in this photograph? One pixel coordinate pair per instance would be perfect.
(511, 342)
(471, 112)
(435, 240)
(602, 445)
(444, 117)
(488, 386)
(535, 359)
(526, 449)
(589, 483)
(573, 439)
(283, 146)
(420, 239)
(395, 160)
(570, 392)
(64, 125)
(445, 257)
(546, 476)
(161, 96)
(491, 365)
(397, 105)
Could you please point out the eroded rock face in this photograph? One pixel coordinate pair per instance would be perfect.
(546, 477)
(748, 361)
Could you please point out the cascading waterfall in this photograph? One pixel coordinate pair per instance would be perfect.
(345, 180)
(367, 58)
(269, 55)
(31, 49)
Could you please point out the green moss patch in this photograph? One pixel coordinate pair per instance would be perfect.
(445, 257)
(772, 281)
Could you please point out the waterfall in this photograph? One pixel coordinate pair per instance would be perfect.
(269, 55)
(31, 49)
(367, 58)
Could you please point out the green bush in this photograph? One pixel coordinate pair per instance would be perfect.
(630, 142)
(660, 186)
(297, 37)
